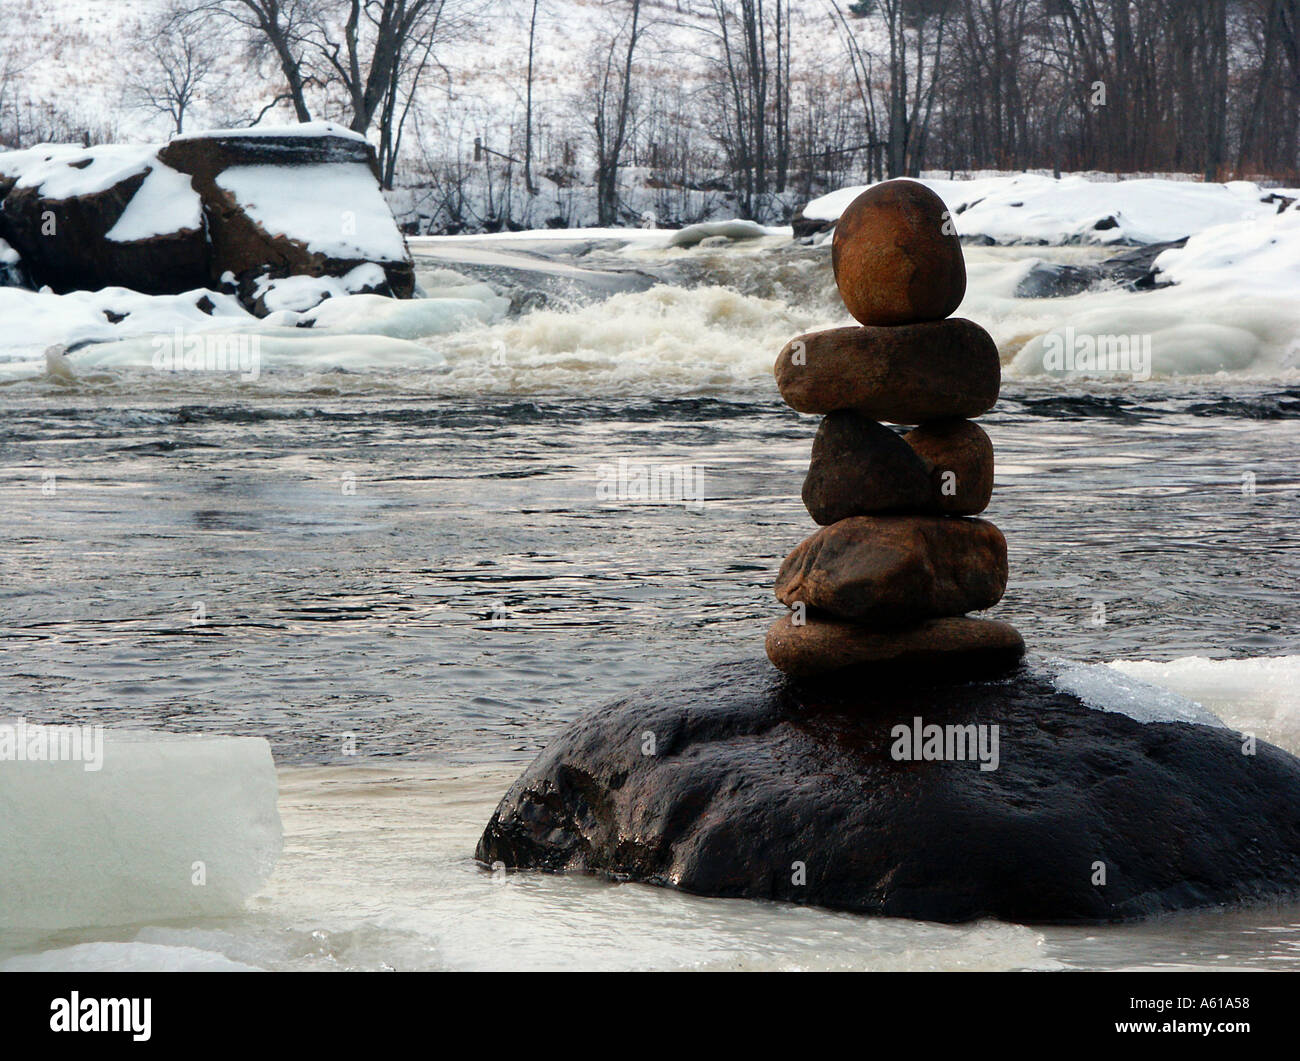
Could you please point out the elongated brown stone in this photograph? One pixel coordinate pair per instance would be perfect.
(896, 256)
(892, 571)
(907, 375)
(821, 645)
(959, 456)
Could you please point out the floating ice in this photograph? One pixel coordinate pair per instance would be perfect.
(693, 234)
(167, 827)
(1104, 689)
(125, 958)
(410, 318)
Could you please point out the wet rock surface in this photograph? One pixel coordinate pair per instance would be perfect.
(760, 786)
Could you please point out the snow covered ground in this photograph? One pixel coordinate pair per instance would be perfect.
(1031, 208)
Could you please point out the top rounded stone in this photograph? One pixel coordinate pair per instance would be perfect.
(896, 256)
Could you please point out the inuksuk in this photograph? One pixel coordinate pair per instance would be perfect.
(849, 781)
(900, 559)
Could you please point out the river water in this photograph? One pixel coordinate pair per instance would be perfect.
(418, 556)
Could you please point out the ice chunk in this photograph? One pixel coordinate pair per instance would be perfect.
(299, 293)
(1105, 689)
(693, 234)
(1260, 695)
(409, 318)
(125, 957)
(162, 826)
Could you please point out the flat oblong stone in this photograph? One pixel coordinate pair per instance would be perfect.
(959, 456)
(887, 572)
(896, 256)
(959, 645)
(907, 375)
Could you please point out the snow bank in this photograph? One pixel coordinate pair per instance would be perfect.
(1030, 208)
(1259, 254)
(334, 208)
(167, 826)
(354, 331)
(34, 320)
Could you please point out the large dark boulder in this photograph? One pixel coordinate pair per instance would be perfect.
(61, 210)
(741, 783)
(252, 246)
(235, 211)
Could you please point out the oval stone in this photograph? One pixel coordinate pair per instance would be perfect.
(860, 467)
(938, 371)
(892, 571)
(896, 256)
(959, 456)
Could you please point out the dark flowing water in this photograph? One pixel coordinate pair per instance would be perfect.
(406, 543)
(440, 578)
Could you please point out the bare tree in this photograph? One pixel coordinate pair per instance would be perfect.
(528, 106)
(277, 25)
(611, 118)
(176, 65)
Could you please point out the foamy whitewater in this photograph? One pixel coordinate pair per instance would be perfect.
(374, 562)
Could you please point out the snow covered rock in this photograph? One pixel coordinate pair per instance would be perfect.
(89, 218)
(298, 201)
(1031, 208)
(1261, 254)
(230, 210)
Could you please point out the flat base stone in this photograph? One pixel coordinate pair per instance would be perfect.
(740, 782)
(960, 646)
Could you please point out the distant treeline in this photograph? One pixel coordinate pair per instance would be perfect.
(1192, 86)
(692, 108)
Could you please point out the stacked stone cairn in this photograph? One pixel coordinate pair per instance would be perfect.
(900, 559)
